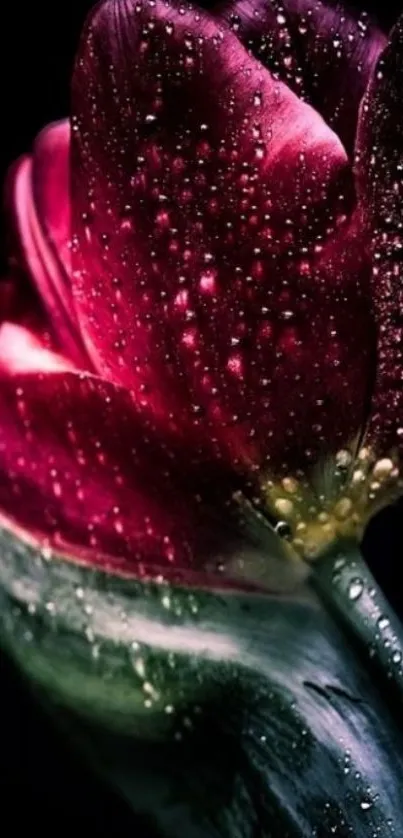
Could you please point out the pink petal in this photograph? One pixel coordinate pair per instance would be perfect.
(37, 198)
(79, 467)
(203, 191)
(51, 185)
(22, 351)
(379, 167)
(19, 304)
(323, 51)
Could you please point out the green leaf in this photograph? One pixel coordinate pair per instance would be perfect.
(218, 714)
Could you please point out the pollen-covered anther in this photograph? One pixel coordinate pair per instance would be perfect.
(290, 485)
(366, 455)
(343, 509)
(358, 477)
(284, 507)
(322, 510)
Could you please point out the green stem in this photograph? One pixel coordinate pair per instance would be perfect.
(343, 579)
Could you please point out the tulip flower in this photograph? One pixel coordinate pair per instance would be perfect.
(200, 411)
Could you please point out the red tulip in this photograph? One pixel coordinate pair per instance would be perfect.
(218, 283)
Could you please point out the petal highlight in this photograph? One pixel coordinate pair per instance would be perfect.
(37, 201)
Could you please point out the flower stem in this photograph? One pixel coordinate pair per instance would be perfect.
(345, 581)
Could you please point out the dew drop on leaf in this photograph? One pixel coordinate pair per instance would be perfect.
(355, 588)
(383, 622)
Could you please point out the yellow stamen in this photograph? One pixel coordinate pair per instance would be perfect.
(337, 502)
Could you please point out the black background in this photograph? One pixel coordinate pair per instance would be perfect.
(42, 785)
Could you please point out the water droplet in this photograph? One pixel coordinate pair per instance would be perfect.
(365, 454)
(89, 633)
(139, 667)
(235, 22)
(260, 150)
(355, 588)
(383, 622)
(207, 282)
(166, 601)
(343, 508)
(339, 563)
(397, 656)
(46, 554)
(283, 529)
(235, 364)
(150, 690)
(343, 459)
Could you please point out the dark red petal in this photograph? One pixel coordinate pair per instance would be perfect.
(38, 203)
(380, 185)
(324, 52)
(78, 467)
(204, 191)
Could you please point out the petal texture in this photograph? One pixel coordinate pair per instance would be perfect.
(38, 204)
(210, 205)
(80, 467)
(380, 185)
(322, 50)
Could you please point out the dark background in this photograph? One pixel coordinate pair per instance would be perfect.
(42, 784)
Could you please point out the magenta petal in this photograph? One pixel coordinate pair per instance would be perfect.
(204, 191)
(379, 167)
(78, 467)
(38, 203)
(51, 189)
(323, 51)
(22, 350)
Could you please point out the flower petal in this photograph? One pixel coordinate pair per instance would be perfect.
(37, 199)
(22, 351)
(79, 467)
(203, 191)
(323, 51)
(20, 303)
(379, 168)
(50, 183)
